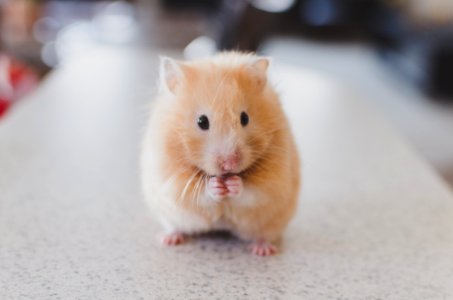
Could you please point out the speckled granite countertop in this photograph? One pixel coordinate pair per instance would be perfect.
(374, 222)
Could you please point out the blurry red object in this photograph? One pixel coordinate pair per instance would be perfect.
(16, 80)
(4, 105)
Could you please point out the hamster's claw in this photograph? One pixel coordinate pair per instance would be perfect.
(234, 186)
(173, 239)
(263, 249)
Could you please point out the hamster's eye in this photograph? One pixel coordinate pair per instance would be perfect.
(244, 119)
(203, 122)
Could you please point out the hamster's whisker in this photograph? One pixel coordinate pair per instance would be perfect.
(259, 165)
(277, 150)
(199, 186)
(186, 187)
(269, 132)
(194, 192)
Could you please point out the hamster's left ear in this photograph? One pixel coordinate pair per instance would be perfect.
(171, 74)
(258, 68)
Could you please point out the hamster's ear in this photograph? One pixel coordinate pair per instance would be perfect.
(258, 68)
(261, 64)
(171, 74)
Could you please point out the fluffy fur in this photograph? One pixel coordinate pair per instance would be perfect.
(180, 161)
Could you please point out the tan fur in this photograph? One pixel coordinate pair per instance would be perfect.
(178, 157)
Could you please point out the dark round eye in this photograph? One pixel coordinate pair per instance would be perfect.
(203, 122)
(244, 119)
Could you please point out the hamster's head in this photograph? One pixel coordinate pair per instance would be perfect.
(221, 113)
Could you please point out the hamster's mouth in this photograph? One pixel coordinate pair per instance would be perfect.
(222, 175)
(226, 175)
(244, 172)
(219, 173)
(241, 173)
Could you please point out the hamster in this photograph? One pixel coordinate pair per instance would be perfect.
(218, 152)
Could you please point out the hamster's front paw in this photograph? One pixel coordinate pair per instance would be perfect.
(217, 188)
(234, 186)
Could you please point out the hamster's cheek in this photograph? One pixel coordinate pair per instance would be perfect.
(194, 148)
(247, 157)
(259, 143)
(209, 165)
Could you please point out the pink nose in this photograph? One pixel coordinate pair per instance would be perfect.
(230, 162)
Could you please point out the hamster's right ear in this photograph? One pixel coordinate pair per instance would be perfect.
(171, 74)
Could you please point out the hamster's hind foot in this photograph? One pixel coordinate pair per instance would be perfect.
(173, 239)
(263, 248)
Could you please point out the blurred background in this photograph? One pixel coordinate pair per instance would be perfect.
(396, 54)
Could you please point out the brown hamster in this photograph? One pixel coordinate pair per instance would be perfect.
(218, 152)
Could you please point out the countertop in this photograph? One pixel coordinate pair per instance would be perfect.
(374, 220)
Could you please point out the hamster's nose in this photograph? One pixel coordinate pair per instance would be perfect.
(230, 163)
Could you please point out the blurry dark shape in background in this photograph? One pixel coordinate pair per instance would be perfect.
(418, 45)
(415, 37)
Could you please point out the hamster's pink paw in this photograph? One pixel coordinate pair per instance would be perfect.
(173, 239)
(216, 188)
(234, 185)
(263, 248)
